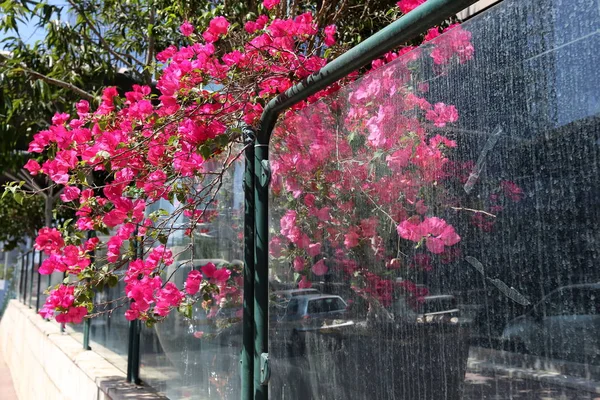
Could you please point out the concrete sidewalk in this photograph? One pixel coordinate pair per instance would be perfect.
(7, 391)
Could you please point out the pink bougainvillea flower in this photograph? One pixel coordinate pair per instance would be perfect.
(407, 6)
(330, 32)
(49, 240)
(186, 28)
(269, 4)
(192, 283)
(218, 26)
(198, 334)
(70, 193)
(33, 167)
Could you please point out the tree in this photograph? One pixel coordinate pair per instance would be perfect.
(177, 140)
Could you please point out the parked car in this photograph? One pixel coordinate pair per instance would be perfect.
(434, 308)
(314, 307)
(564, 324)
(279, 300)
(305, 313)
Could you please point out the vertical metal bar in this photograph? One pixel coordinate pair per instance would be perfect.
(133, 346)
(32, 275)
(261, 268)
(62, 326)
(88, 322)
(25, 268)
(248, 316)
(39, 283)
(21, 275)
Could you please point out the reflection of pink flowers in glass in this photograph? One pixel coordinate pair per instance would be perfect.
(219, 276)
(304, 283)
(422, 261)
(437, 233)
(351, 239)
(198, 334)
(319, 268)
(455, 41)
(512, 191)
(442, 114)
(314, 249)
(450, 254)
(483, 222)
(298, 264)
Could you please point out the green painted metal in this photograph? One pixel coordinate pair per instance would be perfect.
(26, 271)
(22, 275)
(133, 345)
(247, 360)
(431, 13)
(88, 322)
(31, 280)
(261, 272)
(39, 284)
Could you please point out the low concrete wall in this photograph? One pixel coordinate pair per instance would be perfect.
(47, 364)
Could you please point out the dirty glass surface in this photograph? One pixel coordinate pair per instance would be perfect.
(443, 211)
(197, 357)
(109, 330)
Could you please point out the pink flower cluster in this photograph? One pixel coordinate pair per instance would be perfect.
(61, 301)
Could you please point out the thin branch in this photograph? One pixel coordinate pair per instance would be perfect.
(30, 181)
(56, 82)
(104, 43)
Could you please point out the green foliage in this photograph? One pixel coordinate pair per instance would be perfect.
(9, 272)
(20, 220)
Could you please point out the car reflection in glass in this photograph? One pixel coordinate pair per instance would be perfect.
(305, 313)
(565, 324)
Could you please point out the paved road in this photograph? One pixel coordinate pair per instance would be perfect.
(484, 386)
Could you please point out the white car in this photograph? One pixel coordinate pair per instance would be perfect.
(565, 324)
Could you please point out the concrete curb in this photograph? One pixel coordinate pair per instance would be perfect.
(36, 351)
(495, 361)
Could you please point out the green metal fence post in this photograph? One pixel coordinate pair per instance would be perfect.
(261, 270)
(39, 283)
(26, 270)
(429, 14)
(133, 347)
(88, 322)
(32, 275)
(247, 359)
(21, 275)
